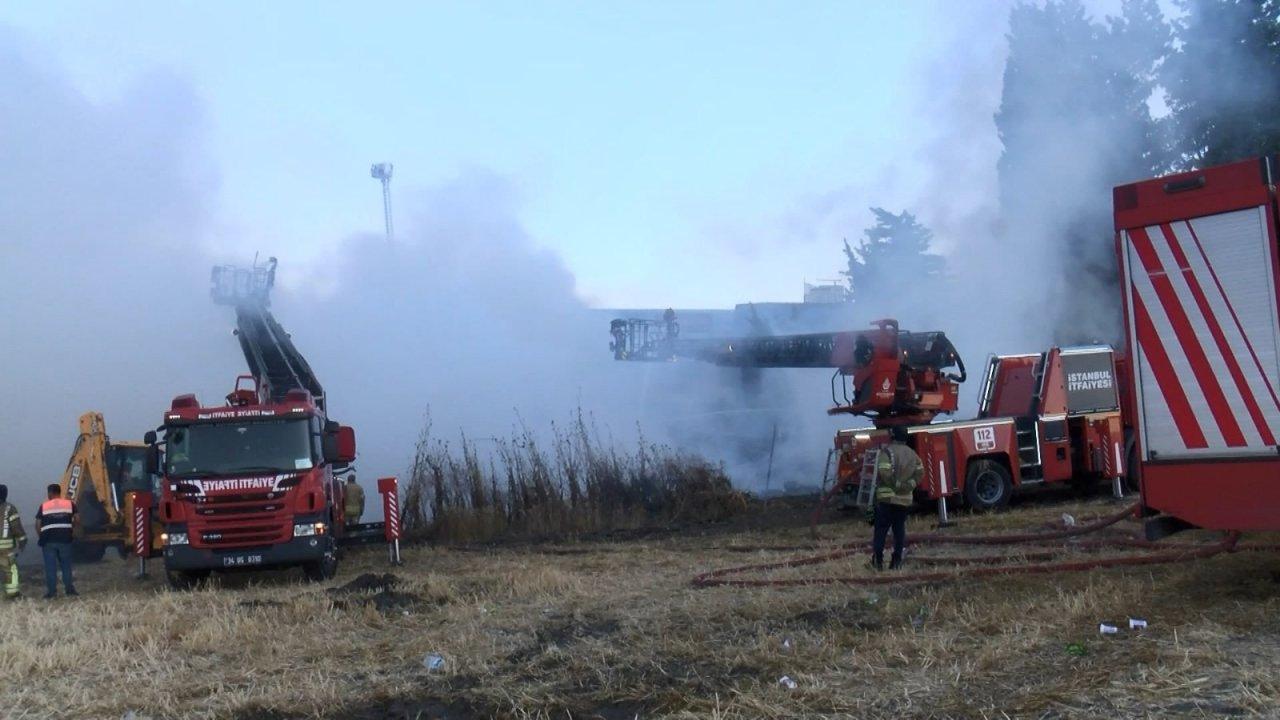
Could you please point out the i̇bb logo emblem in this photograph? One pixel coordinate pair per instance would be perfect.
(984, 438)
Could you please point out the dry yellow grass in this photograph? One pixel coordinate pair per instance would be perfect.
(614, 630)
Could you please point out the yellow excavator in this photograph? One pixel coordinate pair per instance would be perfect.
(101, 479)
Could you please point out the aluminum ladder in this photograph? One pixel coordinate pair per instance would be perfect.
(867, 477)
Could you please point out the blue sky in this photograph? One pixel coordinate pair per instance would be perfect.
(671, 153)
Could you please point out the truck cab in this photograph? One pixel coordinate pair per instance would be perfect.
(251, 485)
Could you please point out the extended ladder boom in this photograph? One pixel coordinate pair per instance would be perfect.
(890, 375)
(274, 362)
(273, 359)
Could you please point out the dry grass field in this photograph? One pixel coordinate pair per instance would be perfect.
(610, 627)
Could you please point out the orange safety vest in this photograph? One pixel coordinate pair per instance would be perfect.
(56, 514)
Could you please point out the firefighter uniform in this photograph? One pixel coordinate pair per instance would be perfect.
(898, 472)
(353, 502)
(12, 540)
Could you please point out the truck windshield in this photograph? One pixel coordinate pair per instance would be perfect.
(235, 448)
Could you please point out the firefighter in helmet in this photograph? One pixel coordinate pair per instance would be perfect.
(898, 472)
(12, 540)
(353, 500)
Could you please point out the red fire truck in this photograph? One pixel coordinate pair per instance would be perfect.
(252, 483)
(1200, 280)
(1189, 411)
(1043, 418)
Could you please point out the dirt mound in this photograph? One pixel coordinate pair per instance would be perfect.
(376, 591)
(368, 582)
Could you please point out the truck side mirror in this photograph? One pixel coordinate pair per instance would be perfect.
(339, 446)
(346, 444)
(150, 437)
(153, 456)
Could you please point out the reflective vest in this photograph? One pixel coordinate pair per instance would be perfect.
(898, 472)
(55, 518)
(10, 527)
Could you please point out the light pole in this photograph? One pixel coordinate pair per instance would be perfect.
(382, 171)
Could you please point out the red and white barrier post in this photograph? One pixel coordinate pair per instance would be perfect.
(391, 514)
(142, 530)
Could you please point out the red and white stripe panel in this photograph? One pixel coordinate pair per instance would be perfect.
(140, 539)
(392, 512)
(1203, 317)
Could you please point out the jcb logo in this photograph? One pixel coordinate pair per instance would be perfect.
(74, 483)
(984, 438)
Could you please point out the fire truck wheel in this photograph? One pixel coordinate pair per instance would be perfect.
(1131, 481)
(987, 485)
(324, 568)
(185, 579)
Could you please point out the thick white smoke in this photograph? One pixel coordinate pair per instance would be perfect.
(106, 215)
(103, 273)
(467, 315)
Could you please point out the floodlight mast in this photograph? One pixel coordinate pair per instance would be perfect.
(382, 172)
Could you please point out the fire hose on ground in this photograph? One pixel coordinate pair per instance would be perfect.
(984, 566)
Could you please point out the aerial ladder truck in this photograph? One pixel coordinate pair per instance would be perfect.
(1188, 411)
(1046, 417)
(256, 482)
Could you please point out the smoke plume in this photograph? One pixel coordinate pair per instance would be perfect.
(104, 209)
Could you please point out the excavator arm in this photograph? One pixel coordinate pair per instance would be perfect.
(87, 470)
(102, 478)
(892, 376)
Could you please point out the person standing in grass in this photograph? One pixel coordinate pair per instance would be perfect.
(353, 500)
(12, 539)
(55, 522)
(898, 472)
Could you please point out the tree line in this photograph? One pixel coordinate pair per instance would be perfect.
(1089, 103)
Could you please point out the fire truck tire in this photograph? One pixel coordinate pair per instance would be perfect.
(987, 485)
(1131, 481)
(324, 568)
(185, 579)
(87, 552)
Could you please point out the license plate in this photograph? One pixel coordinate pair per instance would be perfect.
(241, 560)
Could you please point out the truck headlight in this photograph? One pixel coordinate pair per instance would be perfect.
(308, 529)
(178, 538)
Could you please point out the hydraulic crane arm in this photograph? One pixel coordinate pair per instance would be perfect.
(274, 362)
(890, 375)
